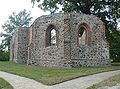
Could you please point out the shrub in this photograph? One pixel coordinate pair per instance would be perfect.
(4, 56)
(115, 55)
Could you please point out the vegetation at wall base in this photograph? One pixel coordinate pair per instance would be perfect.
(115, 63)
(4, 55)
(4, 84)
(51, 76)
(115, 55)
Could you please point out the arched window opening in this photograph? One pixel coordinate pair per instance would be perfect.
(81, 35)
(51, 36)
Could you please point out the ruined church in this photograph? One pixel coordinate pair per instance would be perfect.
(61, 40)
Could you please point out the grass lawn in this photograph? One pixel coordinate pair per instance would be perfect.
(4, 84)
(109, 82)
(51, 76)
(116, 64)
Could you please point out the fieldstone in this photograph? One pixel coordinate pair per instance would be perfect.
(79, 41)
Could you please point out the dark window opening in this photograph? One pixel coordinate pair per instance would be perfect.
(51, 36)
(81, 35)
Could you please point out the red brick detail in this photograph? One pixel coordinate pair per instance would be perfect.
(106, 44)
(101, 26)
(30, 35)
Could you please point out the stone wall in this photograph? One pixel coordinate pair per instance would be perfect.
(14, 47)
(94, 52)
(34, 47)
(43, 55)
(19, 46)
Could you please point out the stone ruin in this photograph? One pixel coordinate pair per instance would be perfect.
(62, 40)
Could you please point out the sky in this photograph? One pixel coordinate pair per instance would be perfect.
(7, 7)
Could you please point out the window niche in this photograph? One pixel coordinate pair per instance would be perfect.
(82, 35)
(51, 36)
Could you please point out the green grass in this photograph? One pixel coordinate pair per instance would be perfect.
(4, 84)
(51, 76)
(108, 82)
(116, 64)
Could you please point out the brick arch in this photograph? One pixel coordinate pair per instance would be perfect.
(48, 35)
(88, 32)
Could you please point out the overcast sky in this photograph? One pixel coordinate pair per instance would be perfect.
(9, 6)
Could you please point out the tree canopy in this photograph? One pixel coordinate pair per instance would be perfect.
(107, 10)
(22, 19)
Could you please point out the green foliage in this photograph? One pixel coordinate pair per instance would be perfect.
(115, 55)
(107, 10)
(4, 84)
(115, 46)
(22, 19)
(4, 56)
(6, 41)
(115, 64)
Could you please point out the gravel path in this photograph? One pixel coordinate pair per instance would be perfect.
(80, 83)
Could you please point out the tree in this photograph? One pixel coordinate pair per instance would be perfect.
(107, 10)
(22, 19)
(115, 46)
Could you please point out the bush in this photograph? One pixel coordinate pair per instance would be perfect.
(115, 55)
(115, 46)
(4, 56)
